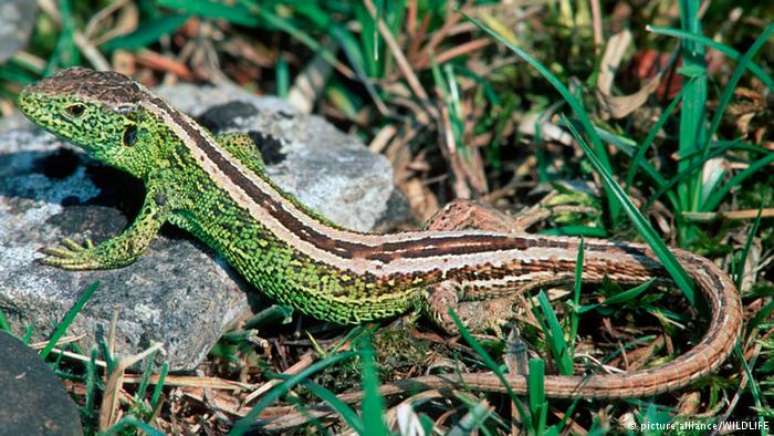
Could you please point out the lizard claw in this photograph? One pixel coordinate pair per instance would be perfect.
(70, 255)
(76, 247)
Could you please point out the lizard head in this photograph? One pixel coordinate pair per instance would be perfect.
(99, 111)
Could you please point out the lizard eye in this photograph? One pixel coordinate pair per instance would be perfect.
(76, 110)
(130, 135)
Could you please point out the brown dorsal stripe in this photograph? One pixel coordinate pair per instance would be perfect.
(385, 252)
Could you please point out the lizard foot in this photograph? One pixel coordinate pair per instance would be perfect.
(71, 255)
(478, 316)
(488, 315)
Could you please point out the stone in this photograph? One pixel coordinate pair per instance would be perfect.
(34, 400)
(180, 293)
(16, 20)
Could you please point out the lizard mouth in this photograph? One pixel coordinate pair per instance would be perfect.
(24, 102)
(34, 105)
(37, 107)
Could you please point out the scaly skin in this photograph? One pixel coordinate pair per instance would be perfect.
(179, 192)
(216, 189)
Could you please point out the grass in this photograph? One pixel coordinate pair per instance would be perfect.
(69, 317)
(487, 106)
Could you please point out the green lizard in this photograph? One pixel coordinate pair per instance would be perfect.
(215, 187)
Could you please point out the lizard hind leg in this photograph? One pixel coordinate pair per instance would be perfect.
(479, 313)
(465, 214)
(477, 316)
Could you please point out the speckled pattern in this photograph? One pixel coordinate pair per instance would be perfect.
(101, 113)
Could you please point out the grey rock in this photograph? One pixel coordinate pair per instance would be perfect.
(34, 400)
(16, 20)
(180, 293)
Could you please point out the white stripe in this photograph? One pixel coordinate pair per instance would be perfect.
(238, 195)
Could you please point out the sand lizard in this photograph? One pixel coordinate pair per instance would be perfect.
(215, 187)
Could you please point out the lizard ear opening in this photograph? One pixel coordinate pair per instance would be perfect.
(130, 135)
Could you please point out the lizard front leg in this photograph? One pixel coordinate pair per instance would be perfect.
(120, 250)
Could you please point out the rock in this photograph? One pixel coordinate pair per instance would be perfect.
(34, 400)
(16, 20)
(179, 293)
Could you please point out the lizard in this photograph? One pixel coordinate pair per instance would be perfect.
(216, 188)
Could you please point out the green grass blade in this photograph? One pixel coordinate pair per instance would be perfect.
(236, 14)
(555, 336)
(322, 19)
(351, 49)
(577, 286)
(718, 148)
(575, 104)
(621, 143)
(760, 316)
(4, 326)
(722, 48)
(717, 195)
(28, 331)
(598, 429)
(65, 53)
(692, 132)
(394, 14)
(373, 403)
(355, 57)
(688, 172)
(146, 34)
(283, 77)
(538, 406)
(68, 319)
(105, 351)
(158, 389)
(142, 388)
(651, 136)
(739, 269)
(728, 92)
(369, 42)
(130, 422)
(243, 425)
(14, 70)
(642, 225)
(91, 383)
(347, 414)
(629, 294)
(490, 363)
(575, 230)
(752, 384)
